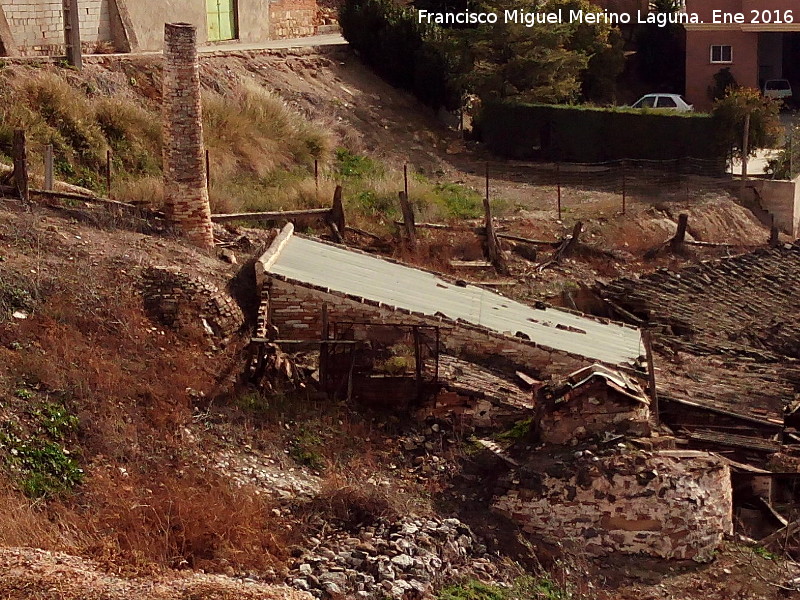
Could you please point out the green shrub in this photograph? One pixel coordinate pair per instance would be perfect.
(588, 134)
(410, 55)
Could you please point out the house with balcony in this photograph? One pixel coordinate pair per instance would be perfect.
(753, 38)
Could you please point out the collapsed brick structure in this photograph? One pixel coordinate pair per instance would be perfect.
(593, 402)
(185, 185)
(186, 303)
(668, 504)
(727, 338)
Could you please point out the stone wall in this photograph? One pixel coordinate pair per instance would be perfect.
(185, 185)
(296, 310)
(37, 26)
(185, 303)
(292, 18)
(591, 410)
(667, 504)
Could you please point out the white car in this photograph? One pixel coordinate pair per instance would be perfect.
(664, 101)
(779, 89)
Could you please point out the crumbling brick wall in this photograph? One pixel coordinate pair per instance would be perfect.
(666, 504)
(292, 18)
(296, 310)
(590, 410)
(182, 302)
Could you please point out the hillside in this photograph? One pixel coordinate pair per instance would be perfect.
(139, 459)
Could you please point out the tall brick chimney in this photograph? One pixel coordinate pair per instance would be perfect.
(185, 187)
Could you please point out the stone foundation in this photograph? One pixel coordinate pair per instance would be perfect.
(668, 504)
(185, 185)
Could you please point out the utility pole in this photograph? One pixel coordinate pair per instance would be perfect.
(72, 34)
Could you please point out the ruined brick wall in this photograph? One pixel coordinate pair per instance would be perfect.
(588, 411)
(292, 18)
(666, 504)
(185, 187)
(37, 26)
(182, 302)
(296, 311)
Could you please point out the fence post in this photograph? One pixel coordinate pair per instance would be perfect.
(316, 177)
(405, 179)
(108, 172)
(20, 153)
(48, 168)
(558, 186)
(624, 187)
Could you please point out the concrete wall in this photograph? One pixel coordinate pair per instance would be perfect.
(782, 200)
(664, 504)
(296, 309)
(37, 26)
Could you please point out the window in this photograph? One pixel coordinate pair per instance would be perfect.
(646, 102)
(666, 102)
(721, 54)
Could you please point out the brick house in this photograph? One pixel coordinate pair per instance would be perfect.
(36, 27)
(753, 50)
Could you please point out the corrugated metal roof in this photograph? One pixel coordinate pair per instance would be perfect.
(345, 271)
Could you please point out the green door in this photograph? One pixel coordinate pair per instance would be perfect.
(221, 20)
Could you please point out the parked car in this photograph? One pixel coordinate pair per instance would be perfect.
(779, 89)
(664, 101)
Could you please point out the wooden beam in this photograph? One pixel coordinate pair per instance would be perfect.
(493, 248)
(335, 217)
(288, 215)
(20, 155)
(408, 220)
(679, 239)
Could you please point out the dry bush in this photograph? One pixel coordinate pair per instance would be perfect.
(253, 131)
(180, 517)
(146, 191)
(22, 523)
(133, 132)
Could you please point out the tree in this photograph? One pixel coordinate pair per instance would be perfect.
(731, 111)
(550, 63)
(661, 54)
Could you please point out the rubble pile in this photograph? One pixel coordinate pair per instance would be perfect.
(398, 559)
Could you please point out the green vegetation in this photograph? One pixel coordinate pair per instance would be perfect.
(39, 460)
(519, 431)
(540, 63)
(764, 553)
(730, 113)
(306, 449)
(524, 588)
(588, 134)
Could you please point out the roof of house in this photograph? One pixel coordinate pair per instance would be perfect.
(619, 382)
(727, 330)
(396, 286)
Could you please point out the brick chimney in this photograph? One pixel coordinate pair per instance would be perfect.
(185, 186)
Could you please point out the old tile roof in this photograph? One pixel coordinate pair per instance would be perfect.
(727, 332)
(459, 374)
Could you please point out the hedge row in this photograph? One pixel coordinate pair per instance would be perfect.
(408, 54)
(584, 134)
